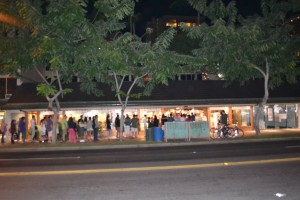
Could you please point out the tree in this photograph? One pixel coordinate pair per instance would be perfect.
(47, 37)
(148, 64)
(257, 47)
(123, 54)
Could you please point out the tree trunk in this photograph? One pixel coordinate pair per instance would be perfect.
(260, 109)
(55, 125)
(258, 115)
(122, 123)
(55, 109)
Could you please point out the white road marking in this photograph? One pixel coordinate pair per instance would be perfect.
(298, 146)
(54, 158)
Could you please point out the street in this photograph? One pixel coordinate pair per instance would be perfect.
(262, 170)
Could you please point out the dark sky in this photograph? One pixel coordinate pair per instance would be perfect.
(148, 9)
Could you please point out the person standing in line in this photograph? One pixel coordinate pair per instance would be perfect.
(171, 118)
(43, 136)
(145, 123)
(95, 125)
(13, 130)
(188, 118)
(193, 117)
(164, 119)
(81, 125)
(108, 124)
(3, 130)
(22, 128)
(155, 121)
(33, 127)
(150, 122)
(182, 117)
(118, 125)
(127, 124)
(64, 127)
(18, 129)
(72, 130)
(89, 129)
(49, 128)
(135, 126)
(84, 128)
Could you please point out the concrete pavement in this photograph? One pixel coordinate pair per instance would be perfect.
(139, 142)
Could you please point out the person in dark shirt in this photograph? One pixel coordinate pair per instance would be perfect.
(163, 119)
(223, 121)
(150, 123)
(155, 121)
(223, 118)
(118, 125)
(13, 130)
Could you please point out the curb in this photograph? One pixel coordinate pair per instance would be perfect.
(134, 146)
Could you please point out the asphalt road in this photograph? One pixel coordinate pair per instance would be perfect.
(144, 154)
(263, 170)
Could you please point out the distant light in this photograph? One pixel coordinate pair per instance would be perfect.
(220, 75)
(280, 195)
(99, 48)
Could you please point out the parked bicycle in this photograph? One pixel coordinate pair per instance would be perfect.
(226, 132)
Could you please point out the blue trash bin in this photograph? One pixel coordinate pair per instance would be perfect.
(158, 134)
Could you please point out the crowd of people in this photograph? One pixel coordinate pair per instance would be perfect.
(85, 129)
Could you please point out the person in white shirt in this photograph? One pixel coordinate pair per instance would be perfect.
(145, 122)
(33, 127)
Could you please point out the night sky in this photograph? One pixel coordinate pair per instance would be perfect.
(148, 9)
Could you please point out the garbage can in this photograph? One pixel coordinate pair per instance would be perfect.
(149, 135)
(158, 134)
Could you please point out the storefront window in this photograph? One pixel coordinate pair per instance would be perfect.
(292, 116)
(241, 115)
(286, 115)
(280, 116)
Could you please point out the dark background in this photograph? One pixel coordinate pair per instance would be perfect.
(148, 9)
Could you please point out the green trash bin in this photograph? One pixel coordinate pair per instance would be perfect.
(149, 135)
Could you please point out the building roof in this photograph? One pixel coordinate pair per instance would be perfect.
(177, 93)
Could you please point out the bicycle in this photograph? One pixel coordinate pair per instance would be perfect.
(230, 132)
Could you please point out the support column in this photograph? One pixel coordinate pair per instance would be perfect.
(229, 114)
(251, 117)
(208, 116)
(298, 114)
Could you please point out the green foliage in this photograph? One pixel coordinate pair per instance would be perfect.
(46, 90)
(66, 91)
(164, 40)
(238, 49)
(116, 9)
(50, 90)
(216, 9)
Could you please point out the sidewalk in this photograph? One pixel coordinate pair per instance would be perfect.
(140, 142)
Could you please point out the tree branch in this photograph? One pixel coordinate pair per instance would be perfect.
(260, 70)
(41, 75)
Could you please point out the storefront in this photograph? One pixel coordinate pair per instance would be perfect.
(281, 116)
(276, 115)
